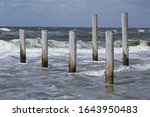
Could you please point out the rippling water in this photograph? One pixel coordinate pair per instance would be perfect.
(30, 81)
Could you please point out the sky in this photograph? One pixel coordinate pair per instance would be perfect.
(73, 12)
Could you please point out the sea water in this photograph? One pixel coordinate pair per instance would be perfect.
(31, 81)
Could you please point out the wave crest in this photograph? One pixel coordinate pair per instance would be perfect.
(5, 29)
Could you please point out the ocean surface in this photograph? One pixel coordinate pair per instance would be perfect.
(31, 81)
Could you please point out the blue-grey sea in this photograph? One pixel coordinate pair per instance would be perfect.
(30, 81)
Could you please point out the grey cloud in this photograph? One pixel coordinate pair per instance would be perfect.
(74, 5)
(42, 4)
(67, 9)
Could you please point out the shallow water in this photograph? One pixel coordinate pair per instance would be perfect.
(31, 81)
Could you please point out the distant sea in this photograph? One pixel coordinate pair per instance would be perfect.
(31, 81)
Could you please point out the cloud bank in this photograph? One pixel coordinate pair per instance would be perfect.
(72, 12)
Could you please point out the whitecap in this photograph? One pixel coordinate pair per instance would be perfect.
(115, 31)
(5, 29)
(123, 69)
(7, 46)
(141, 30)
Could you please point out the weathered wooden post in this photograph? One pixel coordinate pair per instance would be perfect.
(94, 37)
(22, 46)
(44, 48)
(109, 57)
(72, 51)
(125, 45)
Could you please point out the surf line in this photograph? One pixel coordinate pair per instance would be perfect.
(72, 63)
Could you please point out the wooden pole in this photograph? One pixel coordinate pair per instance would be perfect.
(109, 57)
(44, 48)
(94, 37)
(125, 44)
(72, 51)
(22, 46)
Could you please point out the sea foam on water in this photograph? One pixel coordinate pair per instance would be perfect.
(30, 81)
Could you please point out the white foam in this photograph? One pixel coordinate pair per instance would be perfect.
(57, 44)
(11, 48)
(82, 46)
(136, 67)
(122, 69)
(139, 48)
(7, 46)
(61, 48)
(33, 43)
(5, 29)
(141, 30)
(115, 31)
(94, 73)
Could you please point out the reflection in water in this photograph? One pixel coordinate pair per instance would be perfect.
(109, 89)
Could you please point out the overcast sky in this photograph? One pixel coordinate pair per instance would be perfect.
(73, 12)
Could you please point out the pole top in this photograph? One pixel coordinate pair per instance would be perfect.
(72, 31)
(125, 13)
(21, 29)
(44, 30)
(108, 32)
(95, 15)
